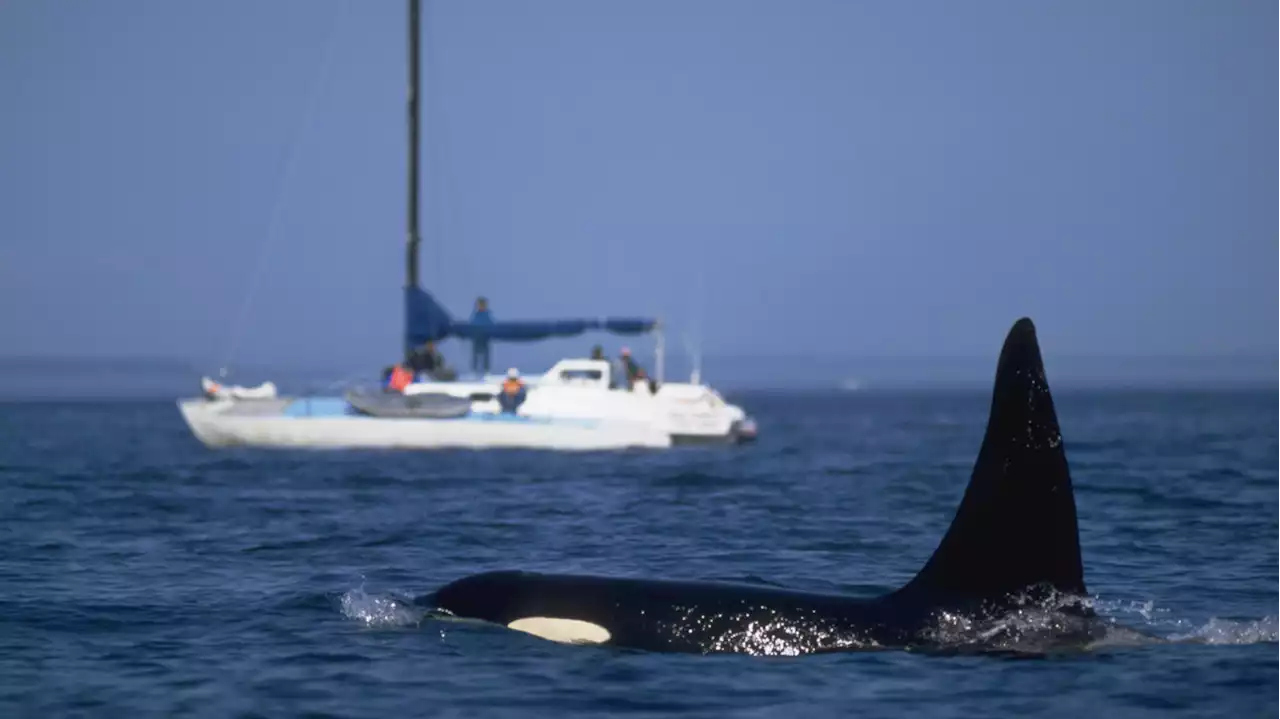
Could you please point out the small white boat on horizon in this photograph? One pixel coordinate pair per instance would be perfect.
(571, 407)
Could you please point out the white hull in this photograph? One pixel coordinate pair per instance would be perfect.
(564, 411)
(216, 426)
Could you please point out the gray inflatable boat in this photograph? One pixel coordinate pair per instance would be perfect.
(416, 406)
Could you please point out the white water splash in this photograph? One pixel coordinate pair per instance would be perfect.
(379, 611)
(1036, 626)
(1226, 631)
(1213, 631)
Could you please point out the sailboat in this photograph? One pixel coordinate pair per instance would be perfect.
(579, 404)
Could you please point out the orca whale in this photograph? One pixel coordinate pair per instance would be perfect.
(1013, 543)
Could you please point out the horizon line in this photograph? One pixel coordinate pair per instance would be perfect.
(793, 357)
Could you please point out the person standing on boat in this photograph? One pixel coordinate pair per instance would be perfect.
(480, 345)
(597, 353)
(628, 367)
(513, 392)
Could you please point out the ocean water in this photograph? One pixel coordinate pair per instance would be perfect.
(144, 575)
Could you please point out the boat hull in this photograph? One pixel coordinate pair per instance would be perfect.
(740, 432)
(323, 423)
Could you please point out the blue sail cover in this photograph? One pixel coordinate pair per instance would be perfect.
(426, 320)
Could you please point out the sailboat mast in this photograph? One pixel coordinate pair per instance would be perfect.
(411, 246)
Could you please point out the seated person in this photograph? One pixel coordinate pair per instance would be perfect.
(513, 392)
(428, 360)
(641, 384)
(644, 383)
(643, 378)
(398, 378)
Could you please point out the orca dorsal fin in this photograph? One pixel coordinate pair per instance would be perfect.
(1015, 529)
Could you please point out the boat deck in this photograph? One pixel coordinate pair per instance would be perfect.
(329, 407)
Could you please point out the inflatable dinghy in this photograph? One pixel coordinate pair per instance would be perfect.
(416, 406)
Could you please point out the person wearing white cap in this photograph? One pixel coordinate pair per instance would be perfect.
(628, 367)
(513, 392)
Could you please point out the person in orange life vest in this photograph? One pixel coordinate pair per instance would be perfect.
(513, 392)
(399, 378)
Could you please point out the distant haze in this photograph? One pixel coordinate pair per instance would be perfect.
(821, 179)
(47, 378)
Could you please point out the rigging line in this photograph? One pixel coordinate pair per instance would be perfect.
(432, 114)
(441, 183)
(693, 339)
(291, 155)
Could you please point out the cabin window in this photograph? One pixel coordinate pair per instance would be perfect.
(569, 375)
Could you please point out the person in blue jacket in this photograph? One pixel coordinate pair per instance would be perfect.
(480, 346)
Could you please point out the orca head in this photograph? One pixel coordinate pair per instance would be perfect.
(487, 597)
(510, 599)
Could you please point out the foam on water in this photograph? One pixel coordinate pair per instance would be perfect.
(1226, 631)
(1035, 628)
(377, 610)
(163, 579)
(1214, 630)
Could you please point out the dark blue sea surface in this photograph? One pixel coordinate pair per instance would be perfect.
(144, 575)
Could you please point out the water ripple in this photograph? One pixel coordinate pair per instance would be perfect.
(145, 575)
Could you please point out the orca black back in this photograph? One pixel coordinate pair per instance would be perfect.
(1014, 537)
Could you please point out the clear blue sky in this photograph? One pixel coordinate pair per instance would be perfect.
(805, 176)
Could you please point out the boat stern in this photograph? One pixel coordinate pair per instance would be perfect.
(744, 430)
